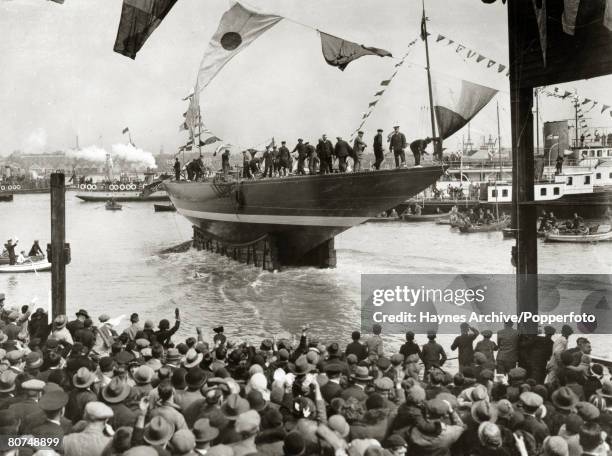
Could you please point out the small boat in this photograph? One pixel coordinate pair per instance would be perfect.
(4, 259)
(485, 228)
(424, 217)
(113, 206)
(509, 233)
(28, 266)
(164, 208)
(603, 233)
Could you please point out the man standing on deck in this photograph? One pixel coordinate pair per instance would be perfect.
(275, 160)
(418, 149)
(245, 165)
(311, 153)
(358, 147)
(397, 144)
(341, 151)
(507, 354)
(267, 156)
(300, 148)
(177, 169)
(379, 152)
(284, 159)
(325, 151)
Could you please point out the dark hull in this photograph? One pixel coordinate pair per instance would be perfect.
(588, 205)
(164, 208)
(6, 197)
(300, 212)
(120, 197)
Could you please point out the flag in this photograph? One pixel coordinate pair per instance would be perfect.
(192, 116)
(238, 28)
(604, 108)
(385, 82)
(126, 130)
(566, 94)
(460, 48)
(379, 94)
(440, 38)
(58, 1)
(139, 18)
(371, 105)
(471, 54)
(586, 100)
(490, 63)
(539, 7)
(480, 58)
(501, 68)
(211, 140)
(339, 53)
(456, 102)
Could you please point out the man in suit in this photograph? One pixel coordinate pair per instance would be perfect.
(379, 153)
(53, 425)
(332, 388)
(177, 169)
(397, 144)
(325, 151)
(28, 405)
(356, 347)
(361, 378)
(284, 157)
(300, 148)
(358, 147)
(342, 151)
(78, 323)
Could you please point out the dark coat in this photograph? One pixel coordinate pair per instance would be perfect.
(325, 150)
(355, 392)
(73, 326)
(378, 145)
(300, 148)
(123, 416)
(357, 349)
(330, 391)
(397, 142)
(342, 149)
(163, 336)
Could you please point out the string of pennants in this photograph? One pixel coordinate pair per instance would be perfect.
(193, 120)
(471, 54)
(583, 105)
(384, 84)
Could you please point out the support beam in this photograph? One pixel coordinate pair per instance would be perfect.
(58, 239)
(524, 214)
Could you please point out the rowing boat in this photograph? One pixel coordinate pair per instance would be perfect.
(580, 238)
(5, 259)
(485, 228)
(36, 266)
(113, 206)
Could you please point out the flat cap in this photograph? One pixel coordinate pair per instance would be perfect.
(33, 385)
(53, 400)
(98, 411)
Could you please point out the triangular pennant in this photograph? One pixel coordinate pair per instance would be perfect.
(450, 42)
(566, 94)
(460, 48)
(371, 105)
(440, 38)
(385, 82)
(501, 68)
(480, 58)
(508, 72)
(379, 94)
(586, 100)
(490, 63)
(471, 53)
(604, 108)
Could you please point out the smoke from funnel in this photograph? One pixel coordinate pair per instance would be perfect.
(126, 153)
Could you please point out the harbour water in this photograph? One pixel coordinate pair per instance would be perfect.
(117, 269)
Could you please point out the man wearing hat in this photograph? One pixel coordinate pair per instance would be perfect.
(332, 388)
(300, 148)
(361, 379)
(12, 329)
(531, 403)
(439, 438)
(379, 150)
(164, 333)
(82, 394)
(59, 331)
(410, 347)
(325, 152)
(464, 342)
(195, 379)
(77, 323)
(356, 347)
(28, 404)
(207, 407)
(432, 353)
(167, 408)
(54, 425)
(16, 359)
(418, 149)
(92, 440)
(359, 146)
(115, 395)
(397, 144)
(247, 427)
(284, 158)
(342, 150)
(7, 389)
(204, 434)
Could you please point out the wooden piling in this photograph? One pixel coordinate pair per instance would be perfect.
(58, 241)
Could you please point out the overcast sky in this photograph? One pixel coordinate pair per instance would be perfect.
(60, 77)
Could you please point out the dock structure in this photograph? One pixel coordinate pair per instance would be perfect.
(268, 252)
(542, 53)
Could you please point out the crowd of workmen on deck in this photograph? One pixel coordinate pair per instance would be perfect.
(321, 158)
(86, 387)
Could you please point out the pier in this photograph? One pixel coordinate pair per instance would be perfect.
(269, 252)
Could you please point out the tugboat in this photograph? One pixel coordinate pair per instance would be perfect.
(122, 190)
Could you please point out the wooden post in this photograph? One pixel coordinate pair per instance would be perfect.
(58, 239)
(523, 173)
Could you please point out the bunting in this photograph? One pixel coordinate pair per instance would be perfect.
(384, 83)
(339, 52)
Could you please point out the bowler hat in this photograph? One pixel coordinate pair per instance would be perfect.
(203, 431)
(159, 431)
(294, 444)
(116, 391)
(83, 313)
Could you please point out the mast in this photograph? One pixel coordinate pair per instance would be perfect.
(431, 109)
(199, 130)
(537, 101)
(576, 119)
(500, 164)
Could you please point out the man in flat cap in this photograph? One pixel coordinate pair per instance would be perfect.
(342, 150)
(397, 144)
(300, 148)
(325, 152)
(92, 440)
(54, 425)
(284, 159)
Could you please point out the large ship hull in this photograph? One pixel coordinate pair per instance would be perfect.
(301, 212)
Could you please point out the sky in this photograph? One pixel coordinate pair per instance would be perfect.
(60, 77)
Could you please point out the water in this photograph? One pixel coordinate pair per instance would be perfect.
(116, 269)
